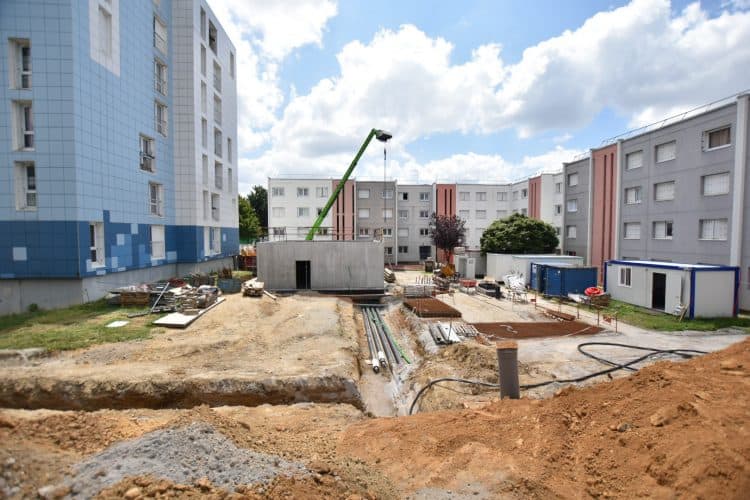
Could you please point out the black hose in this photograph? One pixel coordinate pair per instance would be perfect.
(683, 353)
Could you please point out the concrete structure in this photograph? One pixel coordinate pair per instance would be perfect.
(500, 265)
(414, 208)
(109, 179)
(354, 266)
(706, 291)
(576, 235)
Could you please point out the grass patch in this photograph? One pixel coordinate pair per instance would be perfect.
(654, 320)
(72, 327)
(242, 275)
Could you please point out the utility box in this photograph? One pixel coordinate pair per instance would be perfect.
(466, 266)
(559, 281)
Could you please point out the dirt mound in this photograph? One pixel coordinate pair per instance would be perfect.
(672, 429)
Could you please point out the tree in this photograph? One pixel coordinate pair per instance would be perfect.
(258, 198)
(519, 234)
(249, 225)
(447, 232)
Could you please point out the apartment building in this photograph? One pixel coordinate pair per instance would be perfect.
(576, 208)
(481, 204)
(414, 208)
(293, 207)
(546, 196)
(103, 186)
(376, 209)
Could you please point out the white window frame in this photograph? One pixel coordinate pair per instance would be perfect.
(303, 192)
(217, 77)
(403, 249)
(158, 243)
(558, 187)
(666, 234)
(147, 147)
(717, 176)
(502, 196)
(662, 185)
(203, 60)
(231, 64)
(388, 232)
(558, 209)
(215, 206)
(161, 75)
(213, 37)
(364, 232)
(20, 73)
(278, 212)
(388, 250)
(387, 213)
(277, 191)
(424, 231)
(303, 211)
(424, 196)
(464, 196)
(630, 236)
(363, 194)
(403, 232)
(23, 126)
(204, 166)
(403, 195)
(387, 194)
(482, 196)
(573, 179)
(26, 186)
(524, 193)
(96, 247)
(215, 240)
(464, 214)
(321, 192)
(203, 24)
(230, 154)
(571, 205)
(630, 160)
(204, 133)
(707, 138)
(217, 109)
(625, 276)
(424, 214)
(571, 231)
(718, 224)
(161, 35)
(156, 199)
(637, 197)
(218, 175)
(206, 204)
(403, 214)
(480, 214)
(161, 118)
(659, 147)
(501, 214)
(218, 144)
(363, 213)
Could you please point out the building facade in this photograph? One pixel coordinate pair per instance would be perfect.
(414, 208)
(101, 183)
(576, 208)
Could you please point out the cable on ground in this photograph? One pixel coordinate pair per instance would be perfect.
(652, 352)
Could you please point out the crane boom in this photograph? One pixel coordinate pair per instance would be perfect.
(380, 135)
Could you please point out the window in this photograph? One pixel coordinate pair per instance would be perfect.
(229, 150)
(389, 250)
(231, 65)
(217, 110)
(424, 196)
(502, 196)
(277, 191)
(160, 77)
(664, 191)
(632, 231)
(666, 151)
(364, 231)
(481, 214)
(104, 32)
(558, 209)
(321, 192)
(515, 195)
(302, 192)
(481, 196)
(155, 199)
(204, 99)
(318, 211)
(96, 244)
(634, 160)
(278, 212)
(717, 138)
(204, 133)
(715, 184)
(388, 232)
(464, 214)
(573, 205)
(20, 72)
(387, 194)
(212, 37)
(203, 24)
(403, 249)
(217, 76)
(387, 213)
(205, 170)
(662, 230)
(557, 230)
(160, 118)
(464, 196)
(625, 275)
(147, 153)
(633, 195)
(160, 35)
(205, 204)
(25, 186)
(713, 229)
(403, 196)
(573, 179)
(403, 232)
(215, 205)
(229, 179)
(363, 213)
(363, 194)
(218, 180)
(423, 231)
(157, 242)
(215, 240)
(424, 214)
(279, 231)
(303, 211)
(570, 232)
(524, 193)
(403, 214)
(217, 142)
(203, 60)
(501, 214)
(23, 118)
(558, 187)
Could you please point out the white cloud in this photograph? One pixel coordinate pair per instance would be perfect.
(641, 60)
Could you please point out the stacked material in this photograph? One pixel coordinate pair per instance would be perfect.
(451, 333)
(384, 351)
(419, 290)
(389, 276)
(252, 288)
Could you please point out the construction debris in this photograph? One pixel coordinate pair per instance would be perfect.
(389, 276)
(185, 318)
(252, 288)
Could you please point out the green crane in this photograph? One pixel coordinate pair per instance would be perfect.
(380, 135)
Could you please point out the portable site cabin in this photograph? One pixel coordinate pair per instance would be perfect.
(500, 265)
(706, 290)
(561, 280)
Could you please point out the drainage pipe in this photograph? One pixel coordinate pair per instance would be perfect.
(392, 340)
(373, 357)
(378, 343)
(390, 350)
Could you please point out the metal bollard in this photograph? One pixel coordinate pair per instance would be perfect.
(507, 363)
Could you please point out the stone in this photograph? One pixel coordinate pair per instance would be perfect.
(133, 492)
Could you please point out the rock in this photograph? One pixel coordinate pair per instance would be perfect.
(203, 483)
(320, 467)
(133, 492)
(624, 427)
(662, 417)
(10, 462)
(51, 492)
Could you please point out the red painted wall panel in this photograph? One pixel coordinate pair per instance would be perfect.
(535, 200)
(604, 177)
(343, 211)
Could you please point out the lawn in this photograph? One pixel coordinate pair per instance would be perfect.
(72, 327)
(654, 320)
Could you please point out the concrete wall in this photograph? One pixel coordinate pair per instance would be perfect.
(334, 265)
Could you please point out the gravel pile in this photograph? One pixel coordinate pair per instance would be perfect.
(182, 455)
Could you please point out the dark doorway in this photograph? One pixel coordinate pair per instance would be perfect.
(658, 290)
(425, 252)
(303, 274)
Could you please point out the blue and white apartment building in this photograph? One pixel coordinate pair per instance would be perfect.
(118, 146)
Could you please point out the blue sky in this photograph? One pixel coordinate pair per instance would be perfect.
(485, 90)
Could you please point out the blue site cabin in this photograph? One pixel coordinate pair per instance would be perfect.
(706, 290)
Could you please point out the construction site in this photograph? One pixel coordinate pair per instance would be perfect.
(331, 375)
